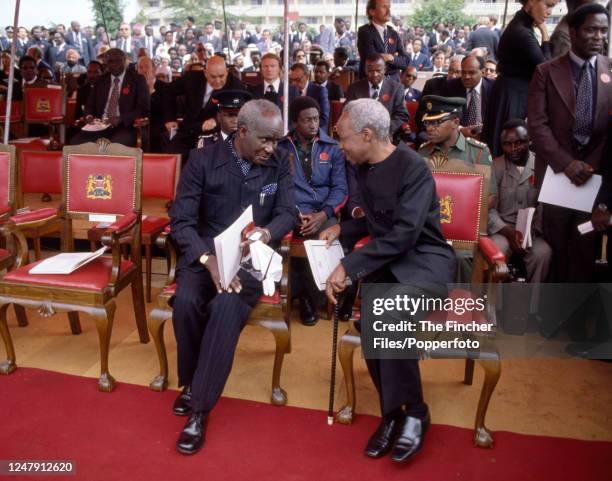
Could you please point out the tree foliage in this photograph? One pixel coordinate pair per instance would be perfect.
(444, 11)
(201, 10)
(109, 10)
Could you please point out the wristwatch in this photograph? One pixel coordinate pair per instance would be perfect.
(603, 207)
(204, 258)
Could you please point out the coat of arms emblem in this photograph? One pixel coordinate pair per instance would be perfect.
(99, 187)
(446, 209)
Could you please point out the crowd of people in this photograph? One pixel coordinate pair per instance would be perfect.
(515, 100)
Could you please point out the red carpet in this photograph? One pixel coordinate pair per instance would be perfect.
(130, 435)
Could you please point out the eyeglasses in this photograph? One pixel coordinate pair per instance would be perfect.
(434, 123)
(410, 76)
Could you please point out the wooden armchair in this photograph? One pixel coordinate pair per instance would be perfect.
(463, 191)
(16, 114)
(272, 313)
(47, 106)
(98, 179)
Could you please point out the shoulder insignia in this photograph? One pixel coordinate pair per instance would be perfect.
(475, 142)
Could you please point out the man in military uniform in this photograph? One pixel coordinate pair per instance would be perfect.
(442, 121)
(445, 141)
(229, 102)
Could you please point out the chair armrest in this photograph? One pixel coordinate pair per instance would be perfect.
(5, 212)
(285, 247)
(164, 242)
(120, 226)
(35, 218)
(57, 120)
(495, 258)
(362, 242)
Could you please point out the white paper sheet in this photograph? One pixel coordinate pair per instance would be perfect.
(227, 247)
(323, 260)
(96, 126)
(67, 262)
(557, 189)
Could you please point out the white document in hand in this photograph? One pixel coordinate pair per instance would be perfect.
(67, 262)
(524, 218)
(557, 189)
(323, 260)
(227, 247)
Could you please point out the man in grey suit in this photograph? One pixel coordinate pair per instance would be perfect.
(514, 174)
(387, 91)
(81, 42)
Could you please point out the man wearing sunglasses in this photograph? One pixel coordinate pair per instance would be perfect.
(408, 77)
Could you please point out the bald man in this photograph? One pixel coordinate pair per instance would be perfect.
(199, 110)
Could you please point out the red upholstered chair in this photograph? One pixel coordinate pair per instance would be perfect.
(344, 79)
(271, 313)
(252, 78)
(335, 113)
(47, 106)
(98, 179)
(412, 110)
(463, 191)
(40, 172)
(16, 114)
(160, 173)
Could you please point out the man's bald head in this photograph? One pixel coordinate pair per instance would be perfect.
(216, 72)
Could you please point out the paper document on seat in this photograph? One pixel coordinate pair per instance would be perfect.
(557, 189)
(227, 247)
(67, 262)
(323, 260)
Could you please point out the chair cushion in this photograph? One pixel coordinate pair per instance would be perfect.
(159, 175)
(93, 276)
(273, 299)
(34, 215)
(4, 254)
(151, 224)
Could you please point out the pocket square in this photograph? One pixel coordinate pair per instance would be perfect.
(269, 189)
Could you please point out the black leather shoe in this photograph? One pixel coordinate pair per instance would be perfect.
(182, 405)
(410, 439)
(381, 441)
(191, 439)
(308, 312)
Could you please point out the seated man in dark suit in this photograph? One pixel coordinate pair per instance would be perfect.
(272, 87)
(94, 70)
(408, 77)
(215, 187)
(407, 246)
(298, 77)
(199, 110)
(317, 166)
(321, 76)
(418, 59)
(387, 91)
(119, 97)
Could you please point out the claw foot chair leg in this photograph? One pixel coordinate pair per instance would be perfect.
(483, 438)
(157, 320)
(8, 365)
(104, 323)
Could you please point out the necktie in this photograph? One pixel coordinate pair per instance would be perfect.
(473, 114)
(386, 39)
(584, 107)
(408, 96)
(206, 97)
(80, 45)
(112, 108)
(375, 92)
(270, 94)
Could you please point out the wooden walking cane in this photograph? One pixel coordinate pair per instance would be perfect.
(332, 382)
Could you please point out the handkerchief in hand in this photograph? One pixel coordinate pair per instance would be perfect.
(269, 262)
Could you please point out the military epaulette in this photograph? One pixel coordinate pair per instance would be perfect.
(425, 144)
(475, 142)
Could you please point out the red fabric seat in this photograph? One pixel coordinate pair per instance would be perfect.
(297, 241)
(152, 224)
(273, 299)
(4, 254)
(93, 276)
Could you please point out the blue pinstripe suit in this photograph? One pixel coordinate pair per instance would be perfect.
(212, 194)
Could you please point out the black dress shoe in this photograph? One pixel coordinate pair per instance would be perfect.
(191, 439)
(182, 405)
(308, 312)
(410, 439)
(381, 441)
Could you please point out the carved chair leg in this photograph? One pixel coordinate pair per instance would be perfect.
(157, 320)
(104, 323)
(139, 308)
(469, 372)
(282, 337)
(92, 246)
(75, 323)
(148, 268)
(7, 366)
(37, 248)
(483, 438)
(346, 348)
(20, 314)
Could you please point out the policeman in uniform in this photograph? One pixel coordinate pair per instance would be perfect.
(442, 121)
(229, 102)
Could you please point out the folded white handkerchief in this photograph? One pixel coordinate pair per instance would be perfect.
(267, 261)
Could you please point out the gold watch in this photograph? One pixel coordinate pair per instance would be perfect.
(204, 258)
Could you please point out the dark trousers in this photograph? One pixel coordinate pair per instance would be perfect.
(398, 381)
(117, 135)
(207, 326)
(182, 143)
(573, 254)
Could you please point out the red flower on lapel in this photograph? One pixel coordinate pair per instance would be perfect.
(282, 99)
(323, 156)
(391, 41)
(386, 97)
(214, 101)
(125, 90)
(532, 180)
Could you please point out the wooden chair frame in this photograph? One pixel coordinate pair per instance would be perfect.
(497, 271)
(274, 317)
(100, 304)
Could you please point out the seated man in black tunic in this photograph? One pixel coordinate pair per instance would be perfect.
(402, 216)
